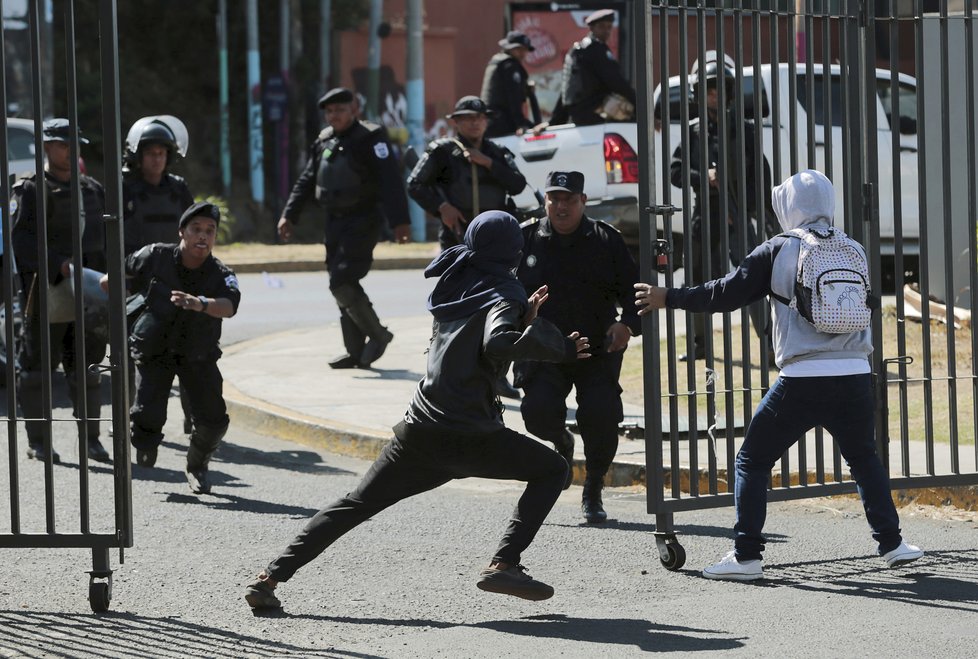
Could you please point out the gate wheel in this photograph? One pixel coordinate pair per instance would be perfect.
(99, 596)
(676, 557)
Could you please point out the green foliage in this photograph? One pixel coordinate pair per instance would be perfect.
(225, 230)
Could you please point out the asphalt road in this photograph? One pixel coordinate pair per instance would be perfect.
(278, 302)
(403, 584)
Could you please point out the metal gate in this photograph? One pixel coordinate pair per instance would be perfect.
(839, 86)
(70, 505)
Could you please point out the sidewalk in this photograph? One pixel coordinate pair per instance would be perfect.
(281, 384)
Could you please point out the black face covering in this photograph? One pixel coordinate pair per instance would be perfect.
(479, 272)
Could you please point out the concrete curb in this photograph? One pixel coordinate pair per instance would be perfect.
(353, 441)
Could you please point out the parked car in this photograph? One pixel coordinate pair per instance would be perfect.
(607, 153)
(20, 146)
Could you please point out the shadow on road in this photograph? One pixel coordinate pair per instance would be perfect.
(125, 634)
(941, 579)
(218, 501)
(642, 634)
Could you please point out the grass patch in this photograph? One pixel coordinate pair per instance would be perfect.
(923, 395)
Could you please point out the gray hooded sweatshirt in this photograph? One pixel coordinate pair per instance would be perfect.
(805, 199)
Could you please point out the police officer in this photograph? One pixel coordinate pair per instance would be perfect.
(353, 173)
(590, 274)
(58, 189)
(709, 175)
(153, 197)
(504, 86)
(186, 292)
(458, 178)
(591, 73)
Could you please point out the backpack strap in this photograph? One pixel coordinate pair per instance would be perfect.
(785, 234)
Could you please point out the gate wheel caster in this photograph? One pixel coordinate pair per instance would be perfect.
(671, 553)
(99, 594)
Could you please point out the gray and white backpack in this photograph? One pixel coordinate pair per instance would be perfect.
(832, 284)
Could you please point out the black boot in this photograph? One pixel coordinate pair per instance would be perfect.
(353, 340)
(564, 445)
(356, 304)
(591, 504)
(97, 452)
(203, 442)
(37, 451)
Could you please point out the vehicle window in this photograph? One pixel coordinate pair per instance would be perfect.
(816, 106)
(676, 100)
(906, 123)
(20, 144)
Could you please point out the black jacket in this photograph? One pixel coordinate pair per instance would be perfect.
(58, 209)
(467, 356)
(163, 329)
(504, 91)
(589, 274)
(444, 174)
(368, 152)
(591, 73)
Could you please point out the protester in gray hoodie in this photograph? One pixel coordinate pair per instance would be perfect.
(825, 381)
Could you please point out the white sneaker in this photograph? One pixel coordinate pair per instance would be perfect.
(729, 568)
(902, 555)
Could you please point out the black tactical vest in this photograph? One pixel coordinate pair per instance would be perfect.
(492, 196)
(341, 183)
(578, 82)
(155, 213)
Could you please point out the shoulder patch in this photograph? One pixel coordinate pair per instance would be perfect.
(381, 150)
(609, 55)
(231, 281)
(517, 77)
(13, 206)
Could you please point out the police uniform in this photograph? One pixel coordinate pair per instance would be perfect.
(445, 174)
(167, 341)
(356, 178)
(504, 88)
(152, 212)
(589, 274)
(706, 129)
(591, 73)
(23, 212)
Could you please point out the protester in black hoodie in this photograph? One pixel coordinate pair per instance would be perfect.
(453, 427)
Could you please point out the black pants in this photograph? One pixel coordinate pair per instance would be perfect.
(599, 409)
(154, 377)
(350, 242)
(30, 372)
(419, 459)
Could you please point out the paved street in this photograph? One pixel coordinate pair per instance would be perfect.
(403, 585)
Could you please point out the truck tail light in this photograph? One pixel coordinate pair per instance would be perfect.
(620, 161)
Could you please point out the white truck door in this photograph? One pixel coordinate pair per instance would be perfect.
(905, 124)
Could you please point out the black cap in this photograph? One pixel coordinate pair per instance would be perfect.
(600, 15)
(59, 130)
(200, 208)
(565, 182)
(336, 95)
(470, 105)
(515, 39)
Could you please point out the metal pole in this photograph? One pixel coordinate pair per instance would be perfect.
(373, 60)
(225, 143)
(282, 134)
(415, 100)
(118, 331)
(325, 47)
(254, 106)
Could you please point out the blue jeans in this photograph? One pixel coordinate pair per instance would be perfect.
(844, 406)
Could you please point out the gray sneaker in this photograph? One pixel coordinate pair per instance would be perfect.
(260, 595)
(514, 581)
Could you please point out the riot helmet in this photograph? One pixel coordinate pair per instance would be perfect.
(713, 73)
(164, 130)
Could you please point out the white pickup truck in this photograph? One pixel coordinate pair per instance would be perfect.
(606, 153)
